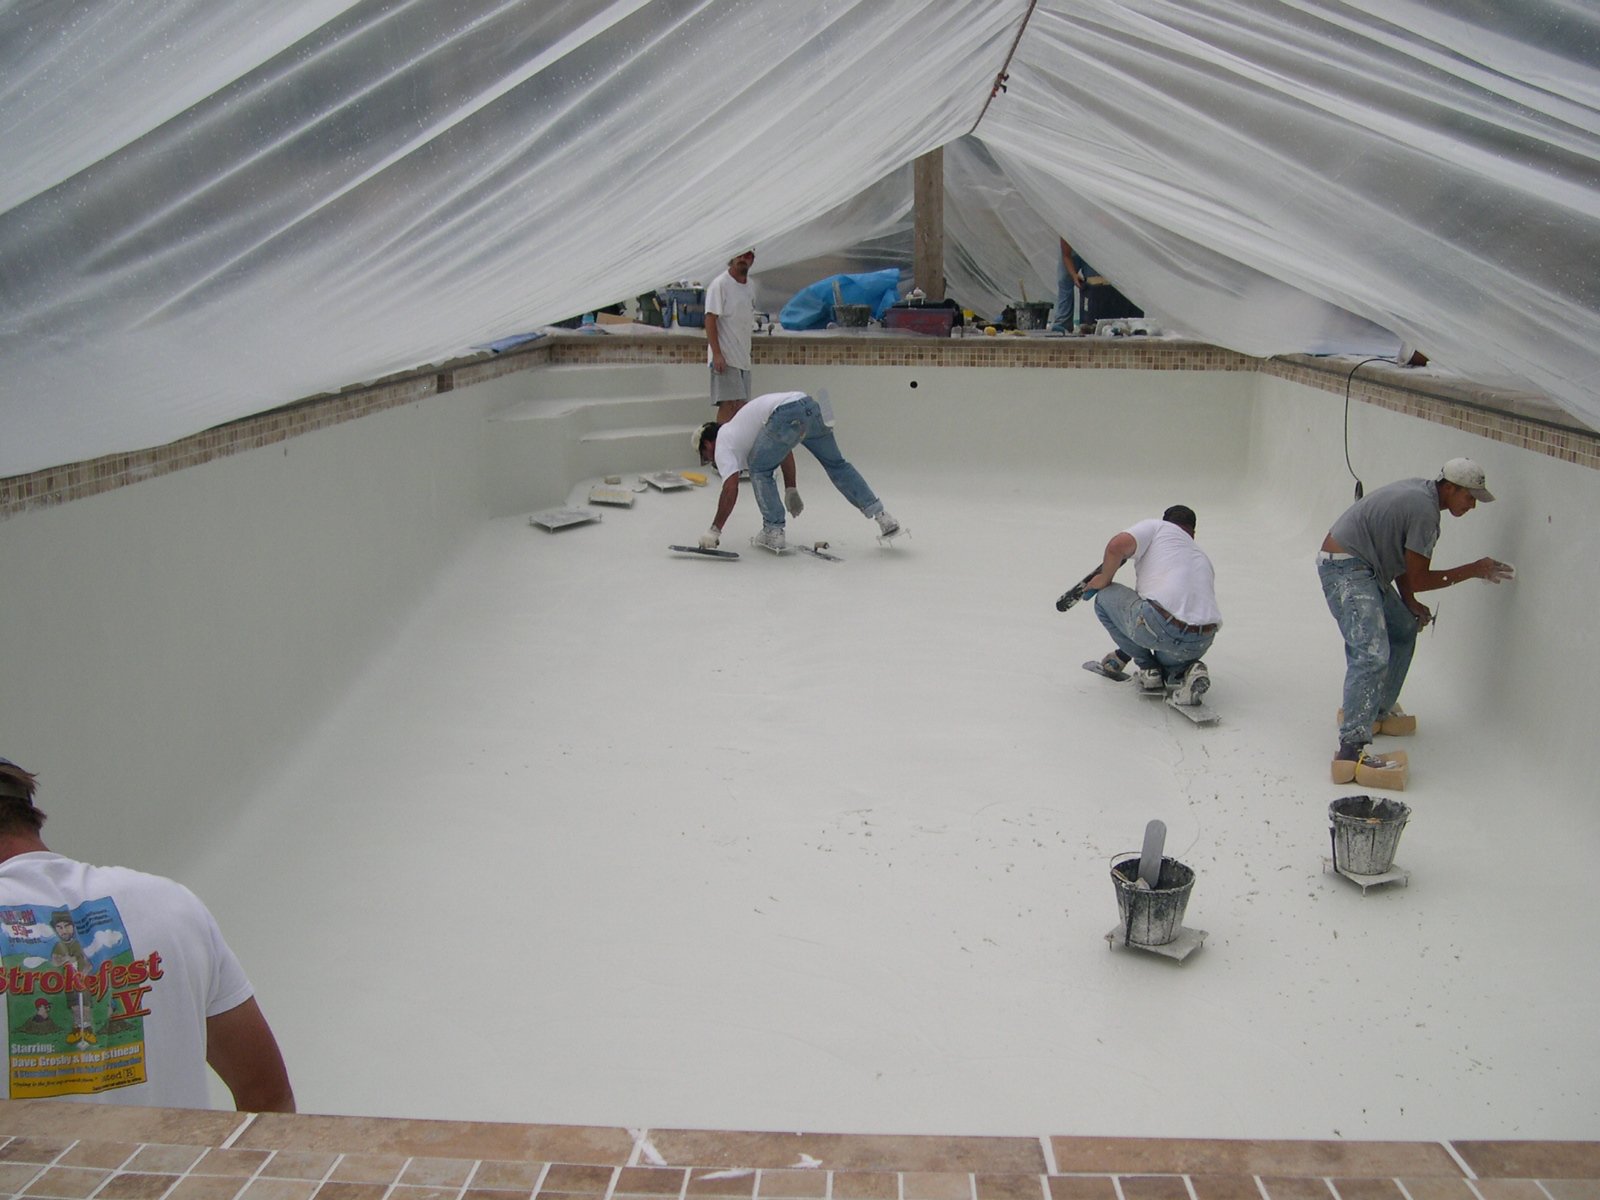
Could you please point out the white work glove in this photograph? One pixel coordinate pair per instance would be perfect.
(792, 501)
(710, 538)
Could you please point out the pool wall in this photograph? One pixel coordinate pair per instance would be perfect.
(167, 645)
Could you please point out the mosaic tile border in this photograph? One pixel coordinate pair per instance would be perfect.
(76, 481)
(57, 1151)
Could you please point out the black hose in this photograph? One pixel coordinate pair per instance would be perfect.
(1360, 488)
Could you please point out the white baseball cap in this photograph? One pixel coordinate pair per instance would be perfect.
(1463, 472)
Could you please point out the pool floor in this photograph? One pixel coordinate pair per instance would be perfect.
(613, 836)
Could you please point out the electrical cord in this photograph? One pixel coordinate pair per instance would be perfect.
(1360, 487)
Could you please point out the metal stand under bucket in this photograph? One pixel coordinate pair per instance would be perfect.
(1365, 834)
(1152, 918)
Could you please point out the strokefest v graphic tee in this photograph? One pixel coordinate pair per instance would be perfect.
(108, 976)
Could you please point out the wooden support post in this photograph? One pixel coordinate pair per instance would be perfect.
(928, 253)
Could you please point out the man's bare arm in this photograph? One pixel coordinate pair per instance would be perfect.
(1118, 551)
(728, 497)
(1421, 577)
(242, 1051)
(718, 363)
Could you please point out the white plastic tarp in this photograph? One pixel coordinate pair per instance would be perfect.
(212, 207)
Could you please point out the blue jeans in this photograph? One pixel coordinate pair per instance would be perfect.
(797, 423)
(1144, 635)
(1380, 633)
(1065, 297)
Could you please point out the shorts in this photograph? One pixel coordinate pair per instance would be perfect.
(732, 384)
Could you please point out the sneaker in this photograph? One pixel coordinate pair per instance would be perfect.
(1152, 681)
(887, 525)
(770, 538)
(1192, 685)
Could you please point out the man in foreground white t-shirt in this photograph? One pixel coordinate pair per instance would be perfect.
(1167, 621)
(117, 985)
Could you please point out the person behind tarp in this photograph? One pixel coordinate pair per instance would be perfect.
(1101, 301)
(126, 985)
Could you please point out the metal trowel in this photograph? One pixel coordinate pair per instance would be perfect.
(1155, 840)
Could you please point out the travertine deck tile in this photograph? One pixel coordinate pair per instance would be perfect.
(368, 1168)
(110, 1155)
(207, 1187)
(230, 1162)
(404, 1192)
(1438, 1189)
(494, 1194)
(1012, 1186)
(866, 1185)
(437, 1172)
(1572, 1189)
(170, 1160)
(68, 1183)
(53, 1121)
(1509, 1189)
(849, 1152)
(806, 1185)
(136, 1187)
(496, 1175)
(298, 1164)
(352, 1191)
(1531, 1160)
(722, 1181)
(279, 1189)
(16, 1176)
(1154, 1187)
(1238, 1187)
(1196, 1156)
(1296, 1187)
(1082, 1187)
(654, 1181)
(1367, 1189)
(33, 1150)
(440, 1139)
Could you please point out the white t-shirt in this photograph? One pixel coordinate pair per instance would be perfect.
(1172, 570)
(735, 438)
(735, 306)
(114, 1012)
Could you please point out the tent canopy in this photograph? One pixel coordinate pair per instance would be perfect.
(212, 207)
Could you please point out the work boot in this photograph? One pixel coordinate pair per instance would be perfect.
(1191, 686)
(1354, 763)
(771, 538)
(887, 525)
(1115, 665)
(1152, 681)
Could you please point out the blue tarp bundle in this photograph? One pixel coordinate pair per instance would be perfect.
(812, 306)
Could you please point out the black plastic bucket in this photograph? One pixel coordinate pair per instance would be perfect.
(1366, 833)
(1152, 917)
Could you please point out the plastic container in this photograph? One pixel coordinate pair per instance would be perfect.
(915, 318)
(1152, 917)
(1366, 833)
(1033, 315)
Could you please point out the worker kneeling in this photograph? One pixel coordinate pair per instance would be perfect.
(760, 436)
(1169, 618)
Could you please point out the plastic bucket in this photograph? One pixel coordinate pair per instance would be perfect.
(1152, 917)
(1033, 315)
(852, 316)
(1366, 833)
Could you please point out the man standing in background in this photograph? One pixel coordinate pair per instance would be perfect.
(730, 321)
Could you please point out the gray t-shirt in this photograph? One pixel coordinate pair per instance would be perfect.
(1385, 523)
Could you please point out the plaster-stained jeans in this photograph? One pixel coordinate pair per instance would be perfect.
(1380, 633)
(797, 423)
(1145, 635)
(1066, 296)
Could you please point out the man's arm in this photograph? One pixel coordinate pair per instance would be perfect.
(242, 1051)
(1118, 551)
(728, 497)
(1421, 577)
(1072, 267)
(718, 363)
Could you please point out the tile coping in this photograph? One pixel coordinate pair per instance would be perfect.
(1521, 419)
(107, 1152)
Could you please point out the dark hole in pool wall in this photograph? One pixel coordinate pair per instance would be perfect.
(913, 383)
